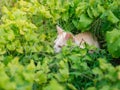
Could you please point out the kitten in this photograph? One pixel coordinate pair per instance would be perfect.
(79, 39)
(86, 37)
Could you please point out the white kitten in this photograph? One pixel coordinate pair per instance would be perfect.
(61, 39)
(79, 39)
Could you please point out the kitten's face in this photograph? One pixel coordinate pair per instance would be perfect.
(61, 39)
(59, 42)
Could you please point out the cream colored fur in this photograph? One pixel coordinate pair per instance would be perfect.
(86, 37)
(79, 39)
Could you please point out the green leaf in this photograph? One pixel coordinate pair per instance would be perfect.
(105, 87)
(54, 85)
(71, 86)
(45, 12)
(65, 16)
(80, 8)
(84, 21)
(91, 88)
(31, 66)
(2, 51)
(89, 13)
(40, 77)
(100, 8)
(5, 10)
(94, 12)
(11, 46)
(112, 18)
(10, 35)
(97, 71)
(113, 42)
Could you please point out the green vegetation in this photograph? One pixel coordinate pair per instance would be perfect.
(27, 33)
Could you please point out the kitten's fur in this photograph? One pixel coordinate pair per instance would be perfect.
(79, 39)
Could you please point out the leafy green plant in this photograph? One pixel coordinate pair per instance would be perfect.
(106, 76)
(15, 76)
(27, 33)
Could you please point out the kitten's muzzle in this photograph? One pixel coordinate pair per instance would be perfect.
(57, 49)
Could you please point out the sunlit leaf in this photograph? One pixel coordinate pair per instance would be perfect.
(112, 18)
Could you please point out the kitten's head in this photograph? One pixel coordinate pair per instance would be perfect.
(61, 39)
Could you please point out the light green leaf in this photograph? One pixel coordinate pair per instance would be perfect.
(40, 77)
(71, 86)
(94, 12)
(5, 10)
(100, 8)
(84, 21)
(54, 85)
(113, 42)
(112, 18)
(89, 13)
(91, 88)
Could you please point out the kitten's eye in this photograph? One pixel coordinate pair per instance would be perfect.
(60, 46)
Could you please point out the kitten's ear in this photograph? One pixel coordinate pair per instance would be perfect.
(68, 35)
(59, 29)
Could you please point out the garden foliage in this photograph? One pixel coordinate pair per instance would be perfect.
(27, 34)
